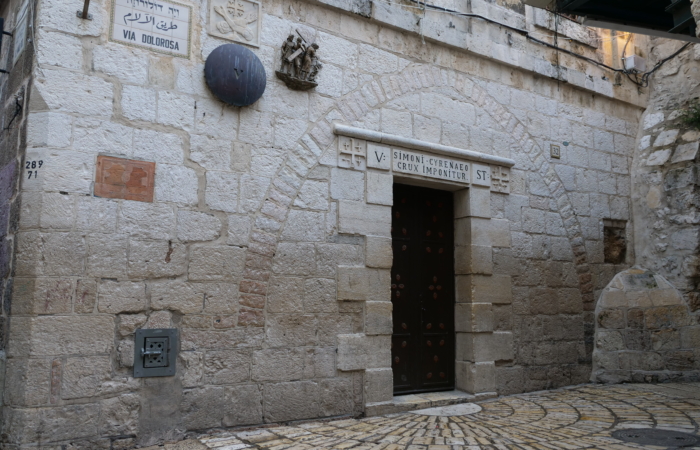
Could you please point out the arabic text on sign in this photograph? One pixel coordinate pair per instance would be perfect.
(157, 25)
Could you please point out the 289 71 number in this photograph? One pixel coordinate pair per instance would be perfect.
(30, 165)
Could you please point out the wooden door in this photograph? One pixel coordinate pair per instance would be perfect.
(422, 290)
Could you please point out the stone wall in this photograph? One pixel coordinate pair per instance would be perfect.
(665, 179)
(14, 96)
(644, 332)
(257, 240)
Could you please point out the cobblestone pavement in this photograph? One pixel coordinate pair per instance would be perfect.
(580, 417)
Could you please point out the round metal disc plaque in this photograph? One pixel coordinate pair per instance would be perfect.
(235, 75)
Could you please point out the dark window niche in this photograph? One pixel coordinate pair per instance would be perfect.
(615, 241)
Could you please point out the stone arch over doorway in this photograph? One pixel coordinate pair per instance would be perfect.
(313, 147)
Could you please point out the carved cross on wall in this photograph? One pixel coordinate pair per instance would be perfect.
(355, 150)
(238, 8)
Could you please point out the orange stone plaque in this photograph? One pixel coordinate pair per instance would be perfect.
(125, 178)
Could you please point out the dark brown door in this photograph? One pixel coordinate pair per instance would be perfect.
(422, 290)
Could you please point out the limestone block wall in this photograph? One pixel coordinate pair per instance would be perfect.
(645, 332)
(665, 180)
(14, 97)
(269, 257)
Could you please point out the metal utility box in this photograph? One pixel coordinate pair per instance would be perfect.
(155, 352)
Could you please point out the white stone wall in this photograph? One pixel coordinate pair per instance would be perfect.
(256, 239)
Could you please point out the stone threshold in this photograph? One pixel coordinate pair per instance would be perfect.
(405, 403)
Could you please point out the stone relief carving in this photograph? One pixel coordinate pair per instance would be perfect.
(500, 179)
(236, 20)
(299, 66)
(352, 153)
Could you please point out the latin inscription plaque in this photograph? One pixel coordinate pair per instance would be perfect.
(431, 166)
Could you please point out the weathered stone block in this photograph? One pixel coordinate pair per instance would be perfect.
(503, 346)
(238, 229)
(319, 295)
(304, 226)
(494, 289)
(347, 185)
(638, 361)
(226, 366)
(294, 259)
(120, 415)
(71, 422)
(84, 377)
(609, 341)
(638, 340)
(359, 352)
(473, 317)
(175, 295)
(282, 364)
(216, 263)
(198, 339)
(244, 406)
(121, 296)
(336, 396)
(204, 407)
(476, 347)
(378, 318)
(222, 191)
(473, 231)
(380, 188)
(379, 285)
(606, 360)
(330, 256)
(107, 256)
(28, 382)
(665, 340)
(378, 252)
(473, 259)
(353, 283)
(291, 401)
(156, 259)
(290, 330)
(612, 318)
(64, 254)
(320, 363)
(197, 226)
(379, 385)
(475, 377)
(473, 202)
(41, 295)
(147, 220)
(690, 337)
(285, 295)
(612, 298)
(221, 298)
(367, 220)
(666, 317)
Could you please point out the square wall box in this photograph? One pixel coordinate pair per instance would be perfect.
(155, 352)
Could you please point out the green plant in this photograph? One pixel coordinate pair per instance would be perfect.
(691, 115)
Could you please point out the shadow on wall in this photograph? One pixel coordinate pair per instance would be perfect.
(644, 332)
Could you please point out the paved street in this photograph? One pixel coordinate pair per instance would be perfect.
(581, 417)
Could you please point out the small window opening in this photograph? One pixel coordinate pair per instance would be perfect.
(615, 241)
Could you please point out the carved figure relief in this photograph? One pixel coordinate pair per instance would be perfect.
(299, 64)
(236, 20)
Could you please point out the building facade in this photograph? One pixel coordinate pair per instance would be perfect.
(270, 236)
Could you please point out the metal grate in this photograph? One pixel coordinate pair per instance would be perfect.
(660, 438)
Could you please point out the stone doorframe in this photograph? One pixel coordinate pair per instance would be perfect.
(478, 346)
